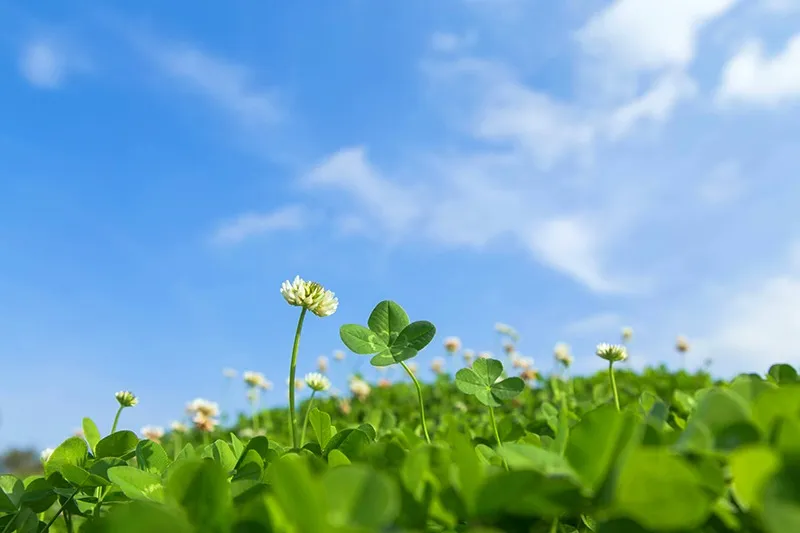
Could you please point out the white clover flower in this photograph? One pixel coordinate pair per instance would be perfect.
(485, 355)
(178, 427)
(412, 366)
(505, 329)
(468, 355)
(46, 453)
(253, 379)
(317, 382)
(202, 407)
(612, 352)
(153, 433)
(437, 365)
(338, 355)
(265, 385)
(204, 422)
(322, 364)
(126, 398)
(309, 295)
(360, 388)
(627, 334)
(247, 433)
(229, 373)
(562, 355)
(298, 383)
(681, 344)
(452, 344)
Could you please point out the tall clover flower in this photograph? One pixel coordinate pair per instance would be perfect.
(125, 399)
(310, 296)
(317, 383)
(612, 353)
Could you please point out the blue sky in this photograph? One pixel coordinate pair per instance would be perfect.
(569, 170)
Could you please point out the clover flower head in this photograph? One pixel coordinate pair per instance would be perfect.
(247, 433)
(253, 379)
(309, 295)
(562, 355)
(384, 383)
(126, 398)
(46, 453)
(322, 364)
(529, 374)
(360, 388)
(505, 329)
(153, 433)
(338, 355)
(612, 352)
(437, 365)
(229, 373)
(468, 356)
(204, 423)
(452, 344)
(485, 355)
(178, 427)
(509, 348)
(626, 334)
(344, 407)
(317, 382)
(412, 366)
(682, 344)
(203, 407)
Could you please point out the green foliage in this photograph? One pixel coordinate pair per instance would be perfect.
(683, 454)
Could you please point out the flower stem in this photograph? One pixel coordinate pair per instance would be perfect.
(613, 383)
(496, 433)
(292, 372)
(61, 510)
(116, 419)
(419, 396)
(305, 422)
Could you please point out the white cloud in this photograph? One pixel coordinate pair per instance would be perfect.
(396, 207)
(447, 42)
(758, 326)
(251, 225)
(227, 84)
(656, 105)
(46, 63)
(751, 77)
(649, 34)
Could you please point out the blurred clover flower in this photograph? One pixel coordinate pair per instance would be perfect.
(360, 388)
(153, 433)
(253, 379)
(452, 344)
(322, 364)
(46, 453)
(682, 344)
(338, 355)
(562, 354)
(437, 365)
(178, 427)
(627, 334)
(229, 373)
(309, 295)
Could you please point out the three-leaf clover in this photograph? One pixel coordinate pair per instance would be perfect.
(390, 338)
(482, 382)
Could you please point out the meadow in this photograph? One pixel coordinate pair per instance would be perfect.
(492, 445)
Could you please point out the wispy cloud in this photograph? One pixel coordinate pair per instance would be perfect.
(597, 324)
(751, 77)
(225, 83)
(46, 63)
(251, 225)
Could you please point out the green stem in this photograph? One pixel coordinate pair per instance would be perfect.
(419, 396)
(496, 433)
(305, 422)
(613, 383)
(116, 419)
(292, 372)
(554, 527)
(255, 414)
(61, 510)
(206, 438)
(10, 523)
(176, 437)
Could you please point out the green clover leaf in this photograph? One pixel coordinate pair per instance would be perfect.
(482, 382)
(390, 338)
